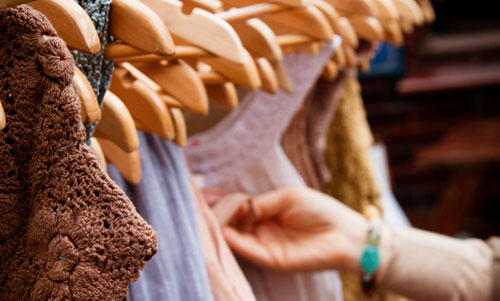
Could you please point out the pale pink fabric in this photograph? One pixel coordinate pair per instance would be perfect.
(256, 126)
(242, 153)
(226, 278)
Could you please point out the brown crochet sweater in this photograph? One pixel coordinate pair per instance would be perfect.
(67, 232)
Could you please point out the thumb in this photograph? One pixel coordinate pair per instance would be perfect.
(247, 246)
(271, 204)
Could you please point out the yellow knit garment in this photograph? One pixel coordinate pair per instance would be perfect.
(347, 157)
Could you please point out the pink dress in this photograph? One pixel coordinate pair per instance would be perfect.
(243, 153)
(225, 275)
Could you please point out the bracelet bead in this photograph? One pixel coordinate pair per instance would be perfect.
(370, 212)
(370, 259)
(368, 282)
(374, 237)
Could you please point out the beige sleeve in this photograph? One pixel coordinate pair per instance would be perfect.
(428, 266)
(494, 243)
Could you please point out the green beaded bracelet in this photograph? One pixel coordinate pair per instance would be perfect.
(370, 258)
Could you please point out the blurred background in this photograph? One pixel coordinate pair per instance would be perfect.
(435, 104)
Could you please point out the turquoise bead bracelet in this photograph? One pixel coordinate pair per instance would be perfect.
(370, 258)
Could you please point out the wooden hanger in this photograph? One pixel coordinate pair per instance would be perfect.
(71, 22)
(11, 3)
(406, 26)
(147, 108)
(2, 117)
(180, 126)
(170, 101)
(240, 3)
(241, 13)
(99, 154)
(117, 124)
(179, 80)
(244, 74)
(367, 27)
(287, 41)
(330, 13)
(172, 105)
(357, 7)
(136, 24)
(393, 32)
(299, 42)
(409, 11)
(213, 6)
(125, 53)
(268, 75)
(151, 84)
(90, 110)
(312, 48)
(199, 28)
(364, 64)
(258, 39)
(427, 10)
(331, 71)
(351, 58)
(167, 99)
(307, 20)
(282, 16)
(363, 16)
(140, 76)
(211, 77)
(224, 94)
(219, 89)
(388, 15)
(349, 35)
(386, 10)
(128, 164)
(284, 81)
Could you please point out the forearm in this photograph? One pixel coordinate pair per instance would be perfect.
(425, 266)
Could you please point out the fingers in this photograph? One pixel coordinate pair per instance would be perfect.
(248, 246)
(212, 195)
(272, 204)
(231, 207)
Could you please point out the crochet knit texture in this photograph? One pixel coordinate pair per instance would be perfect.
(67, 232)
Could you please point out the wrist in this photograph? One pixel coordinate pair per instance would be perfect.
(386, 251)
(358, 240)
(355, 245)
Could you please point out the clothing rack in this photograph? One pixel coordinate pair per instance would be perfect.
(174, 93)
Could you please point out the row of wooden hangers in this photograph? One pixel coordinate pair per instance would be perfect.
(176, 55)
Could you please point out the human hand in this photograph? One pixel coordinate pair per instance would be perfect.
(298, 229)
